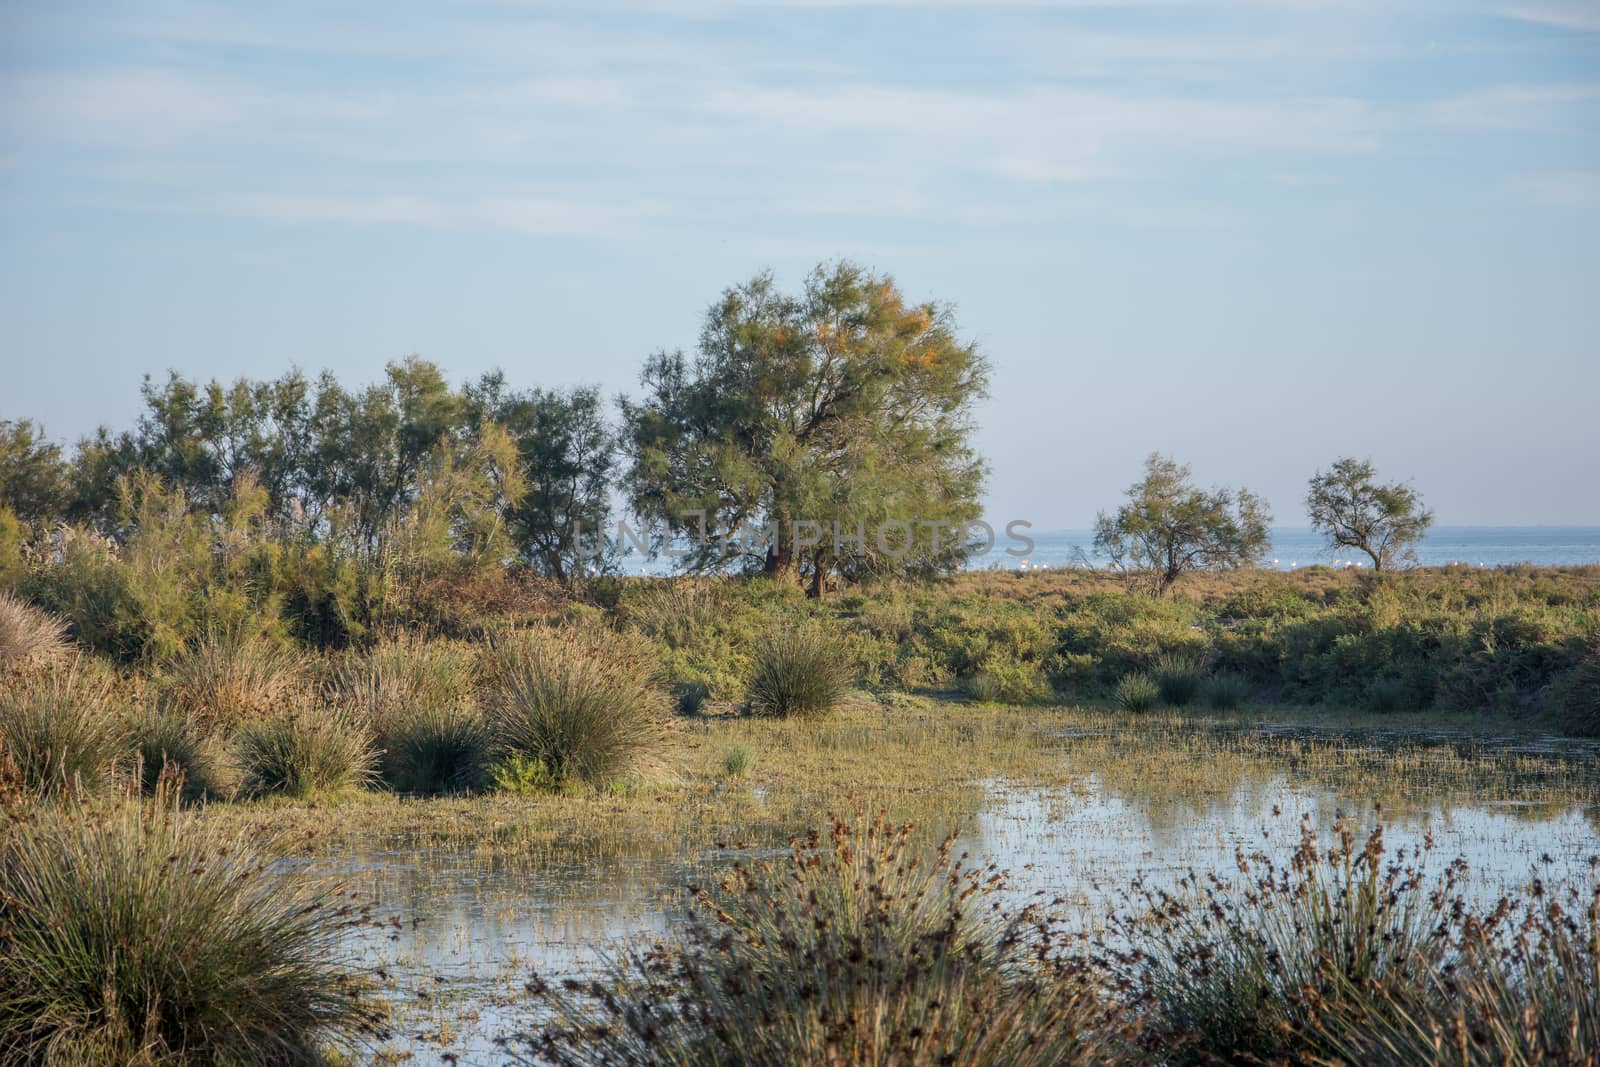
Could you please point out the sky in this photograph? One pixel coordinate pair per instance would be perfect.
(1256, 235)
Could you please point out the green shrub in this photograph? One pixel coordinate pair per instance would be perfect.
(140, 935)
(305, 750)
(583, 703)
(692, 696)
(523, 776)
(798, 671)
(852, 950)
(1388, 694)
(738, 760)
(434, 749)
(29, 638)
(1178, 678)
(172, 743)
(1225, 692)
(65, 731)
(1008, 681)
(231, 678)
(1137, 692)
(1576, 698)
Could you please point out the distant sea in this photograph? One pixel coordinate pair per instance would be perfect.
(1292, 549)
(1475, 546)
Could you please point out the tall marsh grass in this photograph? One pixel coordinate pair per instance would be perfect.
(305, 750)
(29, 637)
(798, 672)
(65, 732)
(230, 678)
(855, 949)
(583, 702)
(138, 934)
(420, 697)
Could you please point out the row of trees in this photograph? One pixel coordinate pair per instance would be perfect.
(842, 404)
(1169, 526)
(842, 409)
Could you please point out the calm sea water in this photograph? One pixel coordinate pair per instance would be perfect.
(1477, 546)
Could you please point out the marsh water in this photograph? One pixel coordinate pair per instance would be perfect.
(460, 933)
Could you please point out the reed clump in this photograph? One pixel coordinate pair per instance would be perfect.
(584, 703)
(797, 672)
(852, 950)
(137, 934)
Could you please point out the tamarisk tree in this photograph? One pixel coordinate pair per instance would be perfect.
(1350, 507)
(836, 423)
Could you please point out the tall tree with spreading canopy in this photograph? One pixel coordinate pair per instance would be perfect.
(1169, 527)
(1352, 509)
(836, 423)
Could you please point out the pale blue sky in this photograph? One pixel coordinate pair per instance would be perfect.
(1257, 235)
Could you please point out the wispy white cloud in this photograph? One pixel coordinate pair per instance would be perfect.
(1570, 16)
(1515, 107)
(1568, 189)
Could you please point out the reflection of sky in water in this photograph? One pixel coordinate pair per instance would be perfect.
(1079, 844)
(483, 924)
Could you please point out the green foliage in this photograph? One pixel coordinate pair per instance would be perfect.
(1008, 681)
(524, 776)
(1169, 528)
(34, 480)
(1225, 692)
(305, 750)
(1352, 509)
(139, 935)
(1178, 679)
(434, 748)
(1576, 698)
(853, 950)
(567, 452)
(843, 405)
(738, 760)
(584, 703)
(65, 731)
(797, 672)
(174, 746)
(1137, 692)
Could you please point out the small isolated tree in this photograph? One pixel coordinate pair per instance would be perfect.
(1169, 527)
(1353, 510)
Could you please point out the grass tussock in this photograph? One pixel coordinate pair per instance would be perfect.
(432, 749)
(852, 950)
(583, 703)
(1347, 954)
(138, 935)
(1225, 692)
(29, 638)
(310, 749)
(1138, 692)
(64, 732)
(231, 678)
(1179, 680)
(174, 746)
(797, 672)
(420, 697)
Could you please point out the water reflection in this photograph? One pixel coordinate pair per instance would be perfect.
(461, 931)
